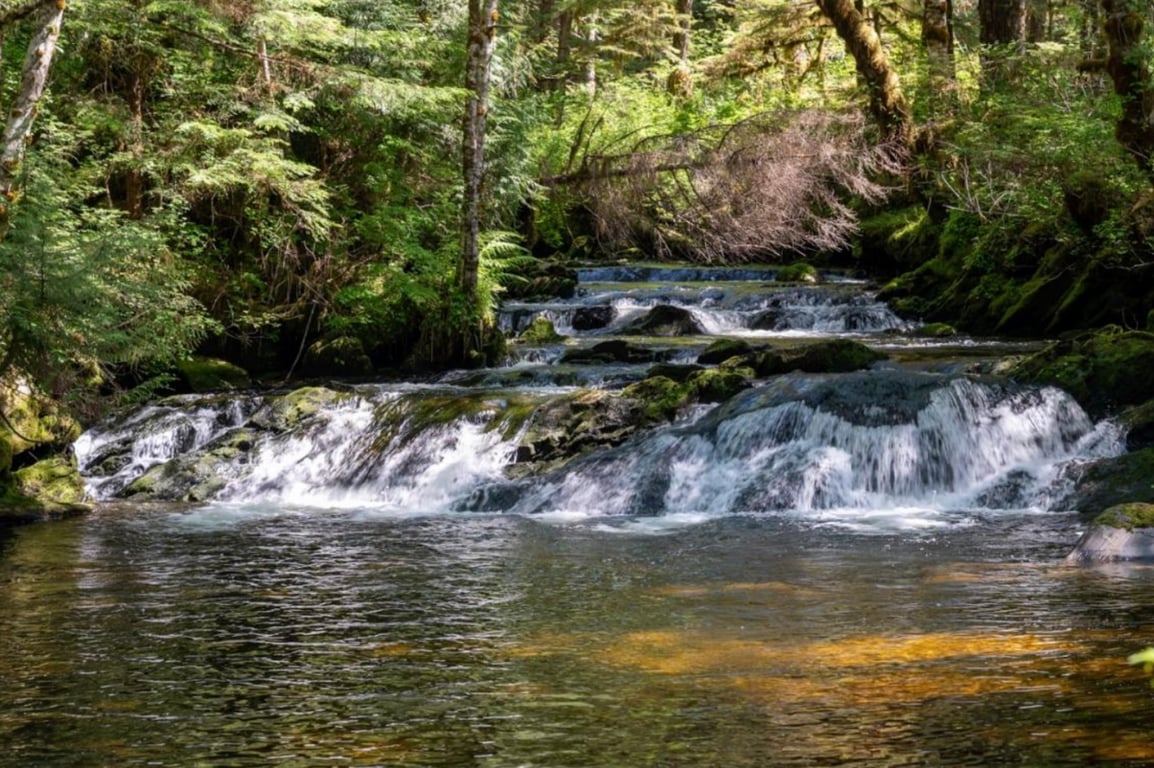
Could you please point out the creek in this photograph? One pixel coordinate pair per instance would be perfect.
(825, 569)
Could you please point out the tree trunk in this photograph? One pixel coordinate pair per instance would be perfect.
(886, 103)
(938, 39)
(483, 18)
(1001, 32)
(682, 38)
(33, 79)
(1128, 64)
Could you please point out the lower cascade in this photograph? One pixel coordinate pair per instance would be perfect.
(803, 444)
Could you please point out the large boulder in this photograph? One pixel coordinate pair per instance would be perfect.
(540, 331)
(1123, 532)
(285, 413)
(665, 320)
(339, 356)
(209, 374)
(196, 476)
(1105, 483)
(723, 349)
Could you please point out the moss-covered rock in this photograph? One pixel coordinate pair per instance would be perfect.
(339, 356)
(540, 331)
(34, 421)
(193, 477)
(1139, 424)
(1105, 371)
(936, 331)
(799, 272)
(895, 240)
(723, 349)
(679, 373)
(661, 396)
(833, 356)
(285, 413)
(611, 351)
(1105, 483)
(208, 374)
(1122, 532)
(717, 385)
(567, 427)
(55, 480)
(593, 317)
(665, 320)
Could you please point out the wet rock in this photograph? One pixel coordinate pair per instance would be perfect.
(612, 351)
(284, 413)
(1139, 423)
(593, 318)
(723, 349)
(679, 373)
(195, 476)
(568, 427)
(1124, 479)
(716, 385)
(834, 356)
(540, 331)
(1123, 532)
(54, 481)
(665, 320)
(936, 331)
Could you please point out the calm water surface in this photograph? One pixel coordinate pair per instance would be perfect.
(252, 636)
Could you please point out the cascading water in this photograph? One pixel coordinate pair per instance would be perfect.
(913, 446)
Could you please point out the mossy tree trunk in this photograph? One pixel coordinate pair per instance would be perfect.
(886, 103)
(1002, 30)
(1129, 66)
(938, 39)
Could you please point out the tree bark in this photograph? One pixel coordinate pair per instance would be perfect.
(1002, 30)
(1128, 64)
(483, 17)
(33, 80)
(887, 105)
(938, 39)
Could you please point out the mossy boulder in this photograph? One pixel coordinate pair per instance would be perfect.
(799, 272)
(717, 385)
(54, 480)
(665, 320)
(1105, 483)
(1122, 532)
(540, 331)
(563, 429)
(663, 398)
(34, 421)
(833, 356)
(1139, 424)
(611, 351)
(208, 374)
(338, 356)
(723, 349)
(936, 331)
(896, 239)
(1105, 371)
(193, 477)
(284, 413)
(679, 373)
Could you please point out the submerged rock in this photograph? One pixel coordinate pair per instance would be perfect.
(665, 320)
(1123, 532)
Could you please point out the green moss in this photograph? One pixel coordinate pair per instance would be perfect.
(54, 480)
(834, 356)
(540, 331)
(662, 397)
(717, 385)
(936, 331)
(1127, 516)
(206, 374)
(722, 350)
(799, 272)
(287, 412)
(897, 239)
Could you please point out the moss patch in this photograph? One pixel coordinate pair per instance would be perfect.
(55, 480)
(540, 331)
(1127, 516)
(799, 272)
(206, 374)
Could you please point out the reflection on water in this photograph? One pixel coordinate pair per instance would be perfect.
(249, 637)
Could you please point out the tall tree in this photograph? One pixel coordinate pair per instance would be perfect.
(49, 15)
(482, 32)
(1002, 30)
(938, 39)
(887, 105)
